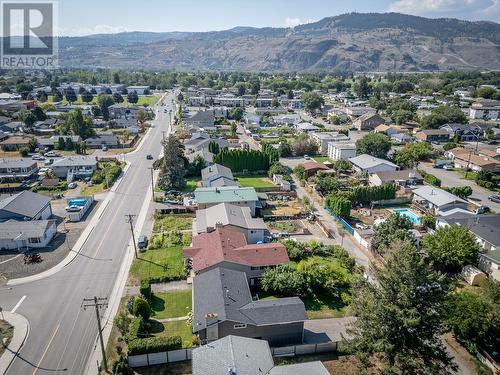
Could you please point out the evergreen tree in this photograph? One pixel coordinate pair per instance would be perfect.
(172, 165)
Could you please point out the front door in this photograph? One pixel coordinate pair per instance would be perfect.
(213, 332)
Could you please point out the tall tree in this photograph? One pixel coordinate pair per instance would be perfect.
(70, 95)
(105, 101)
(79, 124)
(133, 97)
(374, 144)
(172, 165)
(400, 316)
(312, 101)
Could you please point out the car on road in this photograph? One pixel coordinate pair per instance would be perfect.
(142, 242)
(494, 198)
(104, 148)
(307, 157)
(149, 157)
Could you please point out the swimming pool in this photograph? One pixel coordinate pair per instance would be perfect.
(78, 202)
(410, 215)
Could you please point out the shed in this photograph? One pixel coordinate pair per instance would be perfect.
(473, 275)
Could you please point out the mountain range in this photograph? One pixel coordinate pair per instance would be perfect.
(354, 41)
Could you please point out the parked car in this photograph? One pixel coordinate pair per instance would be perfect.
(149, 157)
(448, 167)
(142, 242)
(494, 198)
(72, 185)
(104, 148)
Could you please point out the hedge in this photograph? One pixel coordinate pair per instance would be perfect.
(367, 194)
(433, 180)
(145, 289)
(136, 328)
(154, 345)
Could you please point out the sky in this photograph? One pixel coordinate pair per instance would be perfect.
(112, 16)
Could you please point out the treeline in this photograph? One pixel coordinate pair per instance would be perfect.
(239, 160)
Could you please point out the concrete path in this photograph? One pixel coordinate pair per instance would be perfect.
(159, 287)
(21, 329)
(177, 319)
(317, 331)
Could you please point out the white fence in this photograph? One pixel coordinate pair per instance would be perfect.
(144, 360)
(151, 359)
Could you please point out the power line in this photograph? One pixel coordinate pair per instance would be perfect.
(98, 303)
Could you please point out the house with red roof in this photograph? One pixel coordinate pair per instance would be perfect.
(228, 248)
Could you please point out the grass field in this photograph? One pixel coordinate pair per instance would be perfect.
(255, 181)
(172, 222)
(92, 190)
(143, 99)
(179, 328)
(321, 159)
(323, 306)
(171, 304)
(158, 265)
(191, 184)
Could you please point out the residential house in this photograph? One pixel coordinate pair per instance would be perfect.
(433, 135)
(15, 143)
(197, 101)
(322, 140)
(388, 130)
(264, 102)
(284, 185)
(354, 112)
(100, 140)
(51, 142)
(25, 206)
(75, 167)
(341, 150)
(140, 90)
(404, 178)
(23, 235)
(17, 170)
(200, 141)
(306, 127)
(433, 200)
(478, 111)
(287, 119)
(312, 167)
(465, 132)
(368, 121)
(401, 138)
(295, 104)
(217, 175)
(211, 196)
(201, 120)
(229, 100)
(469, 159)
(11, 127)
(228, 248)
(236, 218)
(370, 164)
(234, 355)
(223, 306)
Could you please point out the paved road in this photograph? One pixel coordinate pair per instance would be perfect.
(452, 179)
(62, 335)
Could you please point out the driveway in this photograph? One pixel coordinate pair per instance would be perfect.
(317, 331)
(452, 179)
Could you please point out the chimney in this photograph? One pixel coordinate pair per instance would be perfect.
(218, 225)
(211, 318)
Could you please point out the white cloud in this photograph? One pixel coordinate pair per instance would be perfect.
(433, 6)
(97, 29)
(292, 22)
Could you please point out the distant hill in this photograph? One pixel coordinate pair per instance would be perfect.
(359, 42)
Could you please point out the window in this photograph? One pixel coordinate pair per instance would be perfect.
(240, 326)
(34, 240)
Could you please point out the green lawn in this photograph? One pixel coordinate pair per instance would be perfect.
(94, 189)
(191, 184)
(159, 265)
(143, 99)
(179, 328)
(255, 181)
(323, 306)
(321, 159)
(171, 304)
(470, 175)
(172, 222)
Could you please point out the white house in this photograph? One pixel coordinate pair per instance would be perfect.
(22, 235)
(371, 164)
(322, 139)
(431, 199)
(341, 150)
(75, 167)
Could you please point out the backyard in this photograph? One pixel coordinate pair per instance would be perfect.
(172, 304)
(172, 222)
(255, 181)
(158, 265)
(191, 184)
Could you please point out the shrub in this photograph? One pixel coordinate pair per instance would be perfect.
(145, 289)
(142, 308)
(122, 322)
(486, 184)
(24, 152)
(154, 345)
(130, 304)
(121, 367)
(136, 328)
(433, 180)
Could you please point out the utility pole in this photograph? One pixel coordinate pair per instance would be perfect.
(98, 302)
(130, 220)
(152, 183)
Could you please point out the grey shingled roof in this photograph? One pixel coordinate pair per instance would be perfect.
(306, 368)
(244, 356)
(76, 161)
(227, 214)
(436, 196)
(486, 227)
(25, 203)
(23, 230)
(216, 170)
(226, 293)
(365, 161)
(17, 163)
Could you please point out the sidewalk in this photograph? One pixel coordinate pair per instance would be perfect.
(21, 329)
